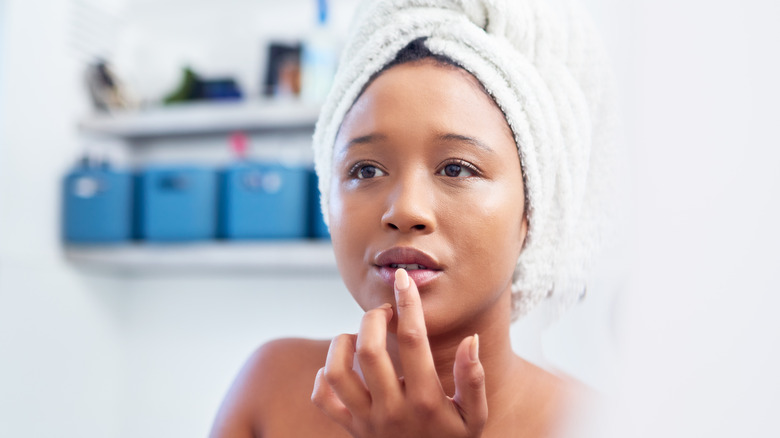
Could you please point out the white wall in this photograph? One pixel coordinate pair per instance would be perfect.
(59, 341)
(187, 338)
(698, 328)
(228, 38)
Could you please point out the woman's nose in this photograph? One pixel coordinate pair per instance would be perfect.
(410, 208)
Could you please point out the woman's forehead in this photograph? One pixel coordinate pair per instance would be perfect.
(425, 98)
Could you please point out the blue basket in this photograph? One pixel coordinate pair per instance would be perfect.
(97, 206)
(176, 203)
(263, 201)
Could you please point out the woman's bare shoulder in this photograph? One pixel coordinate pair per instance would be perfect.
(543, 400)
(287, 356)
(278, 374)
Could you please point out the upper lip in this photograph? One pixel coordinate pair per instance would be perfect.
(406, 256)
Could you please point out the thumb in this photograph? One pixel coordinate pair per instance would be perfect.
(470, 384)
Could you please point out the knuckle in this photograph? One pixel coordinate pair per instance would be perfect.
(426, 406)
(362, 428)
(477, 380)
(318, 378)
(391, 419)
(374, 314)
(406, 302)
(411, 337)
(342, 339)
(319, 394)
(369, 353)
(318, 398)
(334, 375)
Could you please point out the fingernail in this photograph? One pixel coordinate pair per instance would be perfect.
(386, 306)
(474, 348)
(401, 279)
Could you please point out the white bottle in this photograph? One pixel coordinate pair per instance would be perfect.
(319, 59)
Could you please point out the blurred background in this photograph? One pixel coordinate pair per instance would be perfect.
(138, 328)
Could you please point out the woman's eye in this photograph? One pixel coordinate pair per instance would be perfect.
(456, 170)
(368, 171)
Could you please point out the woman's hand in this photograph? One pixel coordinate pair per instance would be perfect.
(381, 404)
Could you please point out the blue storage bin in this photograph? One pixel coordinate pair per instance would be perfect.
(97, 205)
(318, 229)
(177, 203)
(264, 201)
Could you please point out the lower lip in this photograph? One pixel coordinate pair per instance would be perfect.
(421, 277)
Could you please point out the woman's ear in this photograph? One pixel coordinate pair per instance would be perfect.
(523, 231)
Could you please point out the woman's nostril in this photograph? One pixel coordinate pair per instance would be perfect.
(418, 227)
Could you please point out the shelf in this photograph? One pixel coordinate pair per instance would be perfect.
(163, 126)
(203, 118)
(283, 257)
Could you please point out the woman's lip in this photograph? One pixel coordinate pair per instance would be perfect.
(402, 255)
(421, 277)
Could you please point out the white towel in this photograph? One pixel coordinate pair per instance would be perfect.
(544, 65)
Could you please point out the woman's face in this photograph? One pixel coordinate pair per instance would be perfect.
(426, 175)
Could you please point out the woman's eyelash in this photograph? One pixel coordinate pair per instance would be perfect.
(462, 163)
(353, 171)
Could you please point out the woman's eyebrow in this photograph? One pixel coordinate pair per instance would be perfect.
(366, 139)
(467, 139)
(373, 138)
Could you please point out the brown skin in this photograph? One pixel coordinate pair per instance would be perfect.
(404, 175)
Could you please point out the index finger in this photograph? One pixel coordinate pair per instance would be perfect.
(414, 350)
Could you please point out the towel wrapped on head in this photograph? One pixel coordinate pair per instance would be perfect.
(543, 64)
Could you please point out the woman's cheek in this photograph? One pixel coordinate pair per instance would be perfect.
(491, 218)
(352, 225)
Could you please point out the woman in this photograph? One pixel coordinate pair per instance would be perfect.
(454, 155)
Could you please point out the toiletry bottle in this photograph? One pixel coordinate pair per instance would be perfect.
(319, 58)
